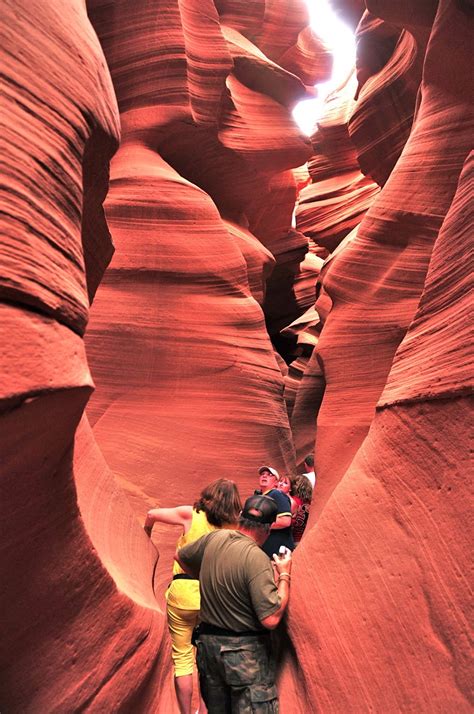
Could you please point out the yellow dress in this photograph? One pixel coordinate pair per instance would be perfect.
(184, 594)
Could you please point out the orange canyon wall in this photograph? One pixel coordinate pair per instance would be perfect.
(165, 320)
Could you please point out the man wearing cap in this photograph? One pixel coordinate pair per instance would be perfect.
(280, 533)
(240, 603)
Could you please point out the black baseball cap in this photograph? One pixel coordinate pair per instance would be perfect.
(261, 509)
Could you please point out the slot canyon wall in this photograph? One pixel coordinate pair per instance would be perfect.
(168, 318)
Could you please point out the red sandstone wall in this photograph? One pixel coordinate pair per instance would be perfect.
(379, 612)
(73, 637)
(200, 205)
(187, 384)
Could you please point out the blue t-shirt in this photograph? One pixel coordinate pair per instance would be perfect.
(280, 536)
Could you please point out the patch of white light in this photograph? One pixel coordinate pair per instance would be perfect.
(341, 41)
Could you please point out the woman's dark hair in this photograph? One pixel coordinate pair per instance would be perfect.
(220, 501)
(292, 481)
(303, 489)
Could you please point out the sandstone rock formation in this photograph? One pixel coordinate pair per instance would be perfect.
(72, 638)
(185, 373)
(385, 604)
(170, 343)
(200, 205)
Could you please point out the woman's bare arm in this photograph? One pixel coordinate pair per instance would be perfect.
(178, 516)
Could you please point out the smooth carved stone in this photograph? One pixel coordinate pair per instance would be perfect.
(392, 94)
(147, 61)
(257, 72)
(375, 41)
(390, 551)
(396, 522)
(198, 156)
(417, 16)
(208, 63)
(188, 386)
(195, 208)
(72, 639)
(333, 151)
(261, 131)
(127, 555)
(329, 212)
(308, 398)
(305, 288)
(47, 128)
(245, 17)
(339, 195)
(260, 262)
(281, 26)
(435, 359)
(392, 252)
(182, 302)
(270, 220)
(309, 58)
(285, 301)
(304, 383)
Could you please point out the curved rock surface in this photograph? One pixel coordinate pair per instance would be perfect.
(389, 67)
(375, 284)
(200, 205)
(392, 494)
(74, 638)
(394, 524)
(209, 276)
(339, 194)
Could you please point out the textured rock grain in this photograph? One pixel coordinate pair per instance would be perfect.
(209, 275)
(73, 638)
(381, 605)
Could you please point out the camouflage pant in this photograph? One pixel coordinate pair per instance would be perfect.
(237, 674)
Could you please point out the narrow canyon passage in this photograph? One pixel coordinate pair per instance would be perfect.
(191, 287)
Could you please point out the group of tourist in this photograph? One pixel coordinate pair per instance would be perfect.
(293, 495)
(230, 587)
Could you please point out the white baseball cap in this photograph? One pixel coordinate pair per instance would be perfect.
(273, 471)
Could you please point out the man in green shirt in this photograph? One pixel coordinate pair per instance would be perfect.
(240, 603)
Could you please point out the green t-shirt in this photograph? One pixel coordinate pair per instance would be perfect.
(236, 580)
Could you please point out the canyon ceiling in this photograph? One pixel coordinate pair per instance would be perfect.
(167, 317)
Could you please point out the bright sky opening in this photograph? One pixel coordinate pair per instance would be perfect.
(341, 40)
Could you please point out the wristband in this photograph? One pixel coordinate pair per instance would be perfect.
(284, 575)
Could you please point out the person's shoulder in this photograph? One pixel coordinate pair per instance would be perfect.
(243, 543)
(246, 545)
(279, 496)
(220, 535)
(254, 560)
(273, 493)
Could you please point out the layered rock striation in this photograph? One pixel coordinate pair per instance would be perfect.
(384, 605)
(81, 627)
(133, 378)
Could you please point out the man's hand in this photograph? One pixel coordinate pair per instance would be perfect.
(282, 566)
(283, 562)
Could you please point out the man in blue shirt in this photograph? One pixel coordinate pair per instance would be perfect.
(280, 533)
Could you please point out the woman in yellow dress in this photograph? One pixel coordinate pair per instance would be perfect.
(217, 507)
